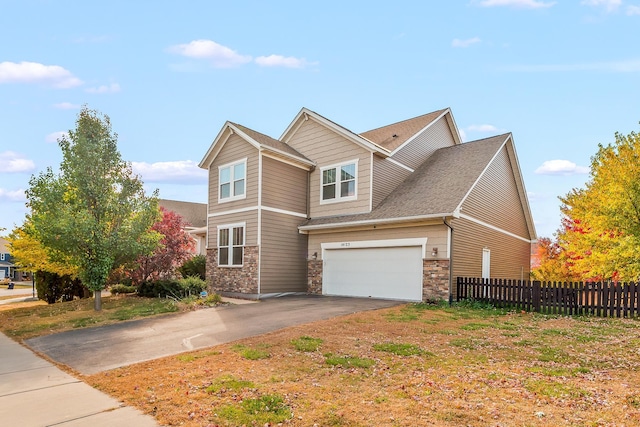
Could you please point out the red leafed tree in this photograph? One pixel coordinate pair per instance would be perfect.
(174, 248)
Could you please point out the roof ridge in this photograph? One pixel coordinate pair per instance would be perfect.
(405, 120)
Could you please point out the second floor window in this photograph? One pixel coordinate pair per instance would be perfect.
(339, 182)
(231, 181)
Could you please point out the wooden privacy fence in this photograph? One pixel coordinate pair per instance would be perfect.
(606, 299)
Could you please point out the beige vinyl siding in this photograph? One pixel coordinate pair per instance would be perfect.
(284, 186)
(283, 258)
(495, 199)
(510, 257)
(234, 149)
(386, 177)
(251, 231)
(326, 148)
(436, 235)
(436, 136)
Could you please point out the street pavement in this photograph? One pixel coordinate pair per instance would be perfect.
(93, 350)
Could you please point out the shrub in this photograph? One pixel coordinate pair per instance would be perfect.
(122, 289)
(52, 287)
(176, 289)
(196, 266)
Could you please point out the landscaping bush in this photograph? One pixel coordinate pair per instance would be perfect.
(196, 266)
(176, 289)
(52, 287)
(122, 289)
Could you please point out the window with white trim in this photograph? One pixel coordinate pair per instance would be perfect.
(230, 245)
(339, 182)
(231, 181)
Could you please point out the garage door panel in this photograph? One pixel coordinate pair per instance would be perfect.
(388, 272)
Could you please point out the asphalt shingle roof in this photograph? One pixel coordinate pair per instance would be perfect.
(438, 186)
(195, 214)
(384, 136)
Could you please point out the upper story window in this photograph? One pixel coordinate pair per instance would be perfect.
(339, 182)
(232, 181)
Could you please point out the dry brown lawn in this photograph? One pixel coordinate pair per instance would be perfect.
(406, 366)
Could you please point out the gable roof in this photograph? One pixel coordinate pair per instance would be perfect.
(195, 214)
(394, 135)
(259, 140)
(306, 114)
(435, 190)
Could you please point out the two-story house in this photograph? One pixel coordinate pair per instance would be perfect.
(7, 268)
(395, 212)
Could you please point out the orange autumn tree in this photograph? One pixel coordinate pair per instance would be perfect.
(601, 222)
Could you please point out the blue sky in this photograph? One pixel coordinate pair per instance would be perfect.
(563, 76)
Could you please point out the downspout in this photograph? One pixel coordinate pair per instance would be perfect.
(444, 220)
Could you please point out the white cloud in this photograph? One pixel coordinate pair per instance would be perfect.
(561, 167)
(483, 128)
(112, 88)
(12, 196)
(54, 136)
(12, 162)
(466, 42)
(463, 135)
(282, 61)
(33, 72)
(633, 10)
(220, 56)
(526, 4)
(627, 66)
(181, 171)
(608, 5)
(66, 106)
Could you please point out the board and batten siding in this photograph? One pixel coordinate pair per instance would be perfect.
(284, 186)
(436, 136)
(437, 236)
(283, 258)
(495, 199)
(234, 149)
(510, 256)
(326, 147)
(250, 232)
(386, 177)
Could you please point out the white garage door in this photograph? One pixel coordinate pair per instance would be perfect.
(387, 272)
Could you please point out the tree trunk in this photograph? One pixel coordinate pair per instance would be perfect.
(97, 300)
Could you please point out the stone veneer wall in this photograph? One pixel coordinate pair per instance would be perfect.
(435, 279)
(242, 280)
(314, 277)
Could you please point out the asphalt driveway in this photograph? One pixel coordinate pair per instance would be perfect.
(102, 348)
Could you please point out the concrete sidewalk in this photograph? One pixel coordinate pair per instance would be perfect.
(35, 393)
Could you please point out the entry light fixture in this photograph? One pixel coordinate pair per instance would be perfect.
(315, 256)
(434, 252)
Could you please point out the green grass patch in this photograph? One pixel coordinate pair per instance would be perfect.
(265, 410)
(348, 361)
(465, 343)
(228, 383)
(306, 344)
(250, 353)
(154, 306)
(399, 349)
(551, 354)
(83, 322)
(555, 389)
(475, 326)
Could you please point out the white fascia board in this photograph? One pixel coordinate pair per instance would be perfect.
(304, 228)
(297, 161)
(219, 140)
(494, 228)
(256, 208)
(402, 165)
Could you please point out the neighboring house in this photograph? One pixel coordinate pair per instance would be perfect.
(397, 212)
(195, 216)
(7, 267)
